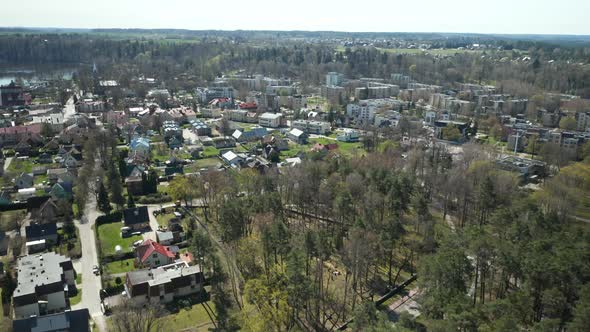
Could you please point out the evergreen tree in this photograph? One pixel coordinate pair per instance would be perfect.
(130, 201)
(103, 202)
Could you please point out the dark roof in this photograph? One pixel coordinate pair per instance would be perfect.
(75, 320)
(138, 215)
(36, 231)
(36, 202)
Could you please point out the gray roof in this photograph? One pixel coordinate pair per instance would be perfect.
(39, 270)
(162, 274)
(75, 320)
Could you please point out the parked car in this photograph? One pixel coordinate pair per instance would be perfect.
(95, 270)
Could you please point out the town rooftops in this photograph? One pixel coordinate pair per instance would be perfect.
(296, 132)
(75, 320)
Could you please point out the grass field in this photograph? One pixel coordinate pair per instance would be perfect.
(343, 147)
(163, 219)
(123, 266)
(110, 236)
(195, 317)
(20, 165)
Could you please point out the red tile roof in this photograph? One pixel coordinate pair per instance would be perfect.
(150, 246)
(33, 129)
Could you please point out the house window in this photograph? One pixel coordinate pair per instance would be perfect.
(161, 297)
(192, 286)
(155, 256)
(157, 262)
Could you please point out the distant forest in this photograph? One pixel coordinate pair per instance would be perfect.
(307, 56)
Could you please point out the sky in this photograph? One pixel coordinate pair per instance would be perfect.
(474, 16)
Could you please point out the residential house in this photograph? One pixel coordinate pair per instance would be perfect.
(134, 181)
(272, 120)
(297, 136)
(40, 236)
(45, 158)
(42, 287)
(223, 142)
(248, 135)
(69, 161)
(165, 238)
(312, 127)
(136, 218)
(24, 180)
(44, 209)
(233, 159)
(72, 321)
(164, 284)
(140, 145)
(61, 191)
(153, 254)
(349, 135)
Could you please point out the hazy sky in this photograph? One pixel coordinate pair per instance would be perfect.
(491, 16)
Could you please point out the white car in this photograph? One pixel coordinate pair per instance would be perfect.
(95, 270)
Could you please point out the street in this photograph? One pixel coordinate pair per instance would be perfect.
(91, 283)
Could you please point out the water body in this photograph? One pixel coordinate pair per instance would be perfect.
(30, 75)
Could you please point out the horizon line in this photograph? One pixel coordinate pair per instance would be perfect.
(296, 30)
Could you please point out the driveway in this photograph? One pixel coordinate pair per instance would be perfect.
(91, 283)
(7, 163)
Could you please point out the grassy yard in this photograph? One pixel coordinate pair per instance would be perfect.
(76, 299)
(206, 162)
(21, 165)
(110, 236)
(163, 219)
(9, 219)
(78, 278)
(195, 317)
(210, 151)
(343, 147)
(123, 266)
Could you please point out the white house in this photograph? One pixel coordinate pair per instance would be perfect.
(272, 120)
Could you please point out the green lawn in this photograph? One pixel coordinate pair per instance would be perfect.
(123, 266)
(195, 317)
(110, 236)
(210, 151)
(76, 299)
(78, 278)
(206, 162)
(343, 147)
(163, 219)
(20, 165)
(38, 179)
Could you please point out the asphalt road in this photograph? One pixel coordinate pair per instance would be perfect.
(91, 283)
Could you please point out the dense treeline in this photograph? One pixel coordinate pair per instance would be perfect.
(556, 69)
(489, 254)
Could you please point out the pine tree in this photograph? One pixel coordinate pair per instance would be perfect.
(130, 201)
(103, 202)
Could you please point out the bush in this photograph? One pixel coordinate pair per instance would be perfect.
(109, 218)
(156, 198)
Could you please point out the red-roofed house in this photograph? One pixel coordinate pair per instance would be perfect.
(248, 106)
(152, 254)
(13, 135)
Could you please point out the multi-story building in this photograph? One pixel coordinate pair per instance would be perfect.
(582, 121)
(312, 127)
(334, 79)
(272, 120)
(334, 94)
(11, 95)
(152, 254)
(90, 106)
(205, 95)
(401, 80)
(43, 282)
(163, 284)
